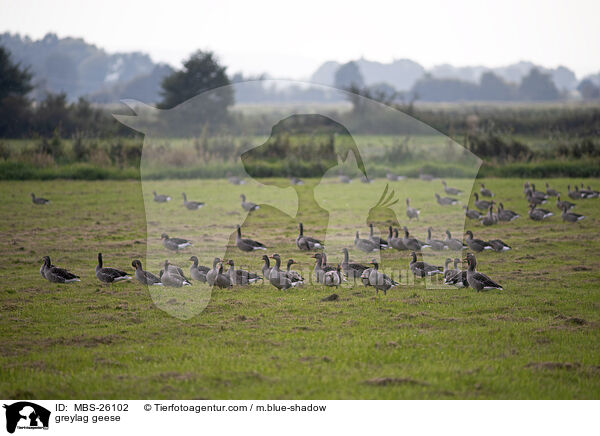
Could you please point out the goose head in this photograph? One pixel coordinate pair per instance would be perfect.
(194, 259)
(136, 264)
(476, 195)
(374, 263)
(164, 236)
(46, 260)
(471, 261)
(413, 255)
(243, 197)
(469, 233)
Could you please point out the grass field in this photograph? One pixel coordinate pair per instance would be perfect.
(539, 338)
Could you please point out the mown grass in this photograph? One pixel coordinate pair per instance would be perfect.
(539, 338)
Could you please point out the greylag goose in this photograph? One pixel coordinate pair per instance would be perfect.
(365, 245)
(571, 217)
(538, 214)
(240, 276)
(499, 245)
(477, 280)
(448, 272)
(485, 191)
(411, 212)
(383, 244)
(320, 267)
(294, 276)
(459, 279)
(526, 187)
(278, 278)
(306, 242)
(426, 177)
(215, 276)
(422, 269)
(245, 244)
(489, 219)
(575, 195)
(506, 214)
(296, 181)
(171, 279)
(174, 244)
(145, 277)
(39, 200)
(248, 206)
(352, 270)
(378, 280)
(266, 269)
(481, 204)
(551, 192)
(450, 191)
(535, 200)
(55, 274)
(365, 179)
(471, 213)
(191, 205)
(395, 241)
(159, 198)
(345, 179)
(452, 243)
(333, 278)
(477, 245)
(173, 269)
(435, 244)
(198, 272)
(412, 243)
(109, 275)
(588, 192)
(537, 194)
(234, 180)
(562, 204)
(445, 201)
(394, 177)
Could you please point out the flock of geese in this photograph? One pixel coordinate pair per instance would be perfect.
(334, 276)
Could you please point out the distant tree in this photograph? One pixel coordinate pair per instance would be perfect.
(15, 84)
(492, 87)
(434, 89)
(538, 86)
(588, 89)
(348, 75)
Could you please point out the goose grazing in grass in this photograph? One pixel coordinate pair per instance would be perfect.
(159, 198)
(481, 204)
(459, 279)
(248, 206)
(575, 195)
(450, 191)
(435, 244)
(422, 269)
(365, 245)
(296, 181)
(485, 191)
(506, 214)
(383, 244)
(445, 201)
(448, 272)
(306, 242)
(345, 179)
(234, 180)
(352, 270)
(171, 279)
(109, 275)
(266, 269)
(395, 242)
(240, 276)
(411, 212)
(294, 276)
(477, 245)
(571, 217)
(333, 278)
(564, 203)
(378, 280)
(55, 274)
(246, 244)
(477, 280)
(174, 244)
(412, 243)
(588, 192)
(535, 200)
(551, 192)
(278, 278)
(538, 195)
(198, 272)
(38, 200)
(452, 243)
(499, 245)
(471, 213)
(145, 277)
(526, 187)
(191, 205)
(538, 214)
(215, 276)
(490, 219)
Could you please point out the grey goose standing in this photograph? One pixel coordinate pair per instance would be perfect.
(571, 217)
(412, 243)
(246, 244)
(471, 213)
(535, 200)
(383, 244)
(352, 270)
(538, 195)
(174, 244)
(333, 278)
(435, 244)
(499, 245)
(396, 242)
(477, 245)
(109, 275)
(422, 269)
(320, 267)
(278, 278)
(551, 192)
(266, 269)
(55, 274)
(191, 205)
(145, 277)
(248, 206)
(215, 276)
(411, 212)
(564, 203)
(490, 219)
(365, 245)
(172, 279)
(538, 214)
(506, 214)
(306, 242)
(477, 280)
(459, 279)
(485, 191)
(294, 276)
(452, 243)
(159, 198)
(378, 280)
(481, 204)
(175, 270)
(240, 276)
(450, 191)
(575, 195)
(198, 272)
(445, 201)
(39, 200)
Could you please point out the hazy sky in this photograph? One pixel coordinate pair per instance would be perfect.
(291, 39)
